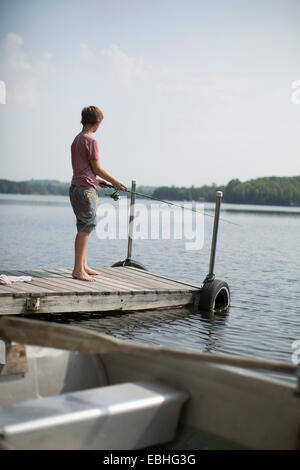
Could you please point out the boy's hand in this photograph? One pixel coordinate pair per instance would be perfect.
(119, 186)
(102, 183)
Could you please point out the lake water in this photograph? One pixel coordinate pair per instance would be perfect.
(259, 258)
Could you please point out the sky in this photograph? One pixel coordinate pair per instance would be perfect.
(193, 92)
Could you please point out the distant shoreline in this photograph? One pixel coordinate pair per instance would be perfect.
(226, 206)
(267, 191)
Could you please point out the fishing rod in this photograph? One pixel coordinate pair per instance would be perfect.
(116, 196)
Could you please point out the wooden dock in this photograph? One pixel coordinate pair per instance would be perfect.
(116, 289)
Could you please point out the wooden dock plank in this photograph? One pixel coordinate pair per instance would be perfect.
(126, 280)
(76, 285)
(106, 282)
(100, 303)
(27, 288)
(136, 279)
(48, 283)
(159, 276)
(58, 282)
(133, 283)
(119, 288)
(111, 282)
(118, 275)
(142, 280)
(4, 290)
(72, 285)
(66, 274)
(122, 285)
(45, 283)
(110, 278)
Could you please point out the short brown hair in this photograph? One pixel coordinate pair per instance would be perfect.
(91, 115)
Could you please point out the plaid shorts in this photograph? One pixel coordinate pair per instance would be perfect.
(84, 200)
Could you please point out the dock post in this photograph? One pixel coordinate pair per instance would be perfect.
(211, 275)
(215, 293)
(128, 261)
(131, 217)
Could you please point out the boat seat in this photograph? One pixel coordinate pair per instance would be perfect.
(130, 415)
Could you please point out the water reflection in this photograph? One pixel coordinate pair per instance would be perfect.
(176, 327)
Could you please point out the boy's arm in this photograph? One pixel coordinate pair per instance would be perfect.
(101, 182)
(99, 171)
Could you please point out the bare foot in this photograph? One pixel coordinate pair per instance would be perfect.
(82, 276)
(90, 271)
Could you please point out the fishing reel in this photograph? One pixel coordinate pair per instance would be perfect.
(115, 196)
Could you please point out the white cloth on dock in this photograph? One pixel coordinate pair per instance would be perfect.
(4, 279)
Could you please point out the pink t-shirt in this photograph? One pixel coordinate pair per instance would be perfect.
(83, 149)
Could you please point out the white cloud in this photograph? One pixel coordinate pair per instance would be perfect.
(16, 58)
(23, 80)
(85, 52)
(128, 68)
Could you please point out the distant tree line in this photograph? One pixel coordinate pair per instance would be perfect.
(48, 187)
(272, 190)
(269, 190)
(34, 187)
(174, 193)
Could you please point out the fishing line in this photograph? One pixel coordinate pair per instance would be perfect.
(115, 196)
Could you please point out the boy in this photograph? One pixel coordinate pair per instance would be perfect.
(83, 190)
